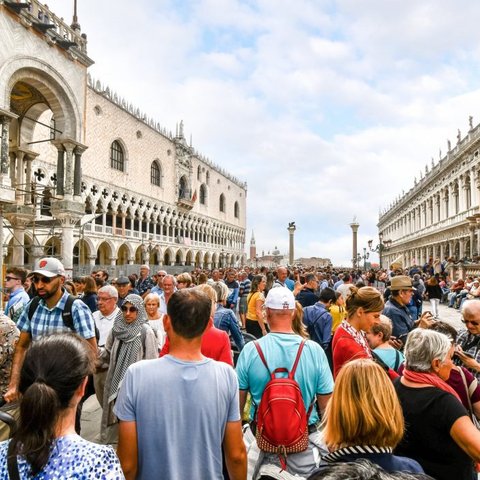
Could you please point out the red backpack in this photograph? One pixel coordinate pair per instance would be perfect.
(281, 419)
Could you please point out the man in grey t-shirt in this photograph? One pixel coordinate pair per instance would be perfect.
(176, 412)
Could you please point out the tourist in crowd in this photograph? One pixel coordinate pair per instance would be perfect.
(184, 280)
(44, 444)
(17, 296)
(215, 342)
(337, 311)
(124, 288)
(131, 340)
(169, 288)
(256, 324)
(468, 340)
(460, 379)
(155, 318)
(364, 307)
(9, 335)
(379, 340)
(89, 296)
(439, 432)
(224, 318)
(434, 294)
(144, 283)
(364, 419)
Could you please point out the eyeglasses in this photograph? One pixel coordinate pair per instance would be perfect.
(103, 299)
(7, 278)
(475, 324)
(36, 279)
(129, 309)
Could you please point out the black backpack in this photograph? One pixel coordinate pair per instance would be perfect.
(66, 314)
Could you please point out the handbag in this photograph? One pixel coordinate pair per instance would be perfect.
(470, 389)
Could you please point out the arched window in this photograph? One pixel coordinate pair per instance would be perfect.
(183, 188)
(203, 194)
(117, 156)
(222, 203)
(199, 172)
(207, 178)
(155, 174)
(236, 210)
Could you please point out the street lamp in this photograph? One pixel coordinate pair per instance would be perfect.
(383, 246)
(356, 260)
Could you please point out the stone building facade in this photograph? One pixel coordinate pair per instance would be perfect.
(439, 217)
(86, 176)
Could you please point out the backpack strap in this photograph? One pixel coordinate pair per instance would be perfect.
(291, 375)
(67, 313)
(33, 307)
(260, 354)
(397, 360)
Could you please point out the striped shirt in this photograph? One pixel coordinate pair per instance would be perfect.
(46, 321)
(245, 287)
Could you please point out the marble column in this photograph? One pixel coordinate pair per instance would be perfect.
(4, 149)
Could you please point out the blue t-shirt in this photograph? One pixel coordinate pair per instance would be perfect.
(280, 349)
(181, 410)
(391, 357)
(71, 457)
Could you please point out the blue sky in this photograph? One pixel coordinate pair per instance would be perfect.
(327, 109)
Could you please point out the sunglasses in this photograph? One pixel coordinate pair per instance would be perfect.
(36, 279)
(475, 324)
(7, 278)
(129, 309)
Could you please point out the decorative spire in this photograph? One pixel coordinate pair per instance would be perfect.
(252, 241)
(75, 25)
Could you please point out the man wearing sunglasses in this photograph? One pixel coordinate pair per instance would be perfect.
(468, 340)
(18, 297)
(49, 277)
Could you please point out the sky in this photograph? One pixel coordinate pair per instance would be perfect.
(327, 109)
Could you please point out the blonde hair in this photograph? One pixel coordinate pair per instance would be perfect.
(368, 298)
(297, 322)
(211, 294)
(364, 408)
(184, 278)
(152, 297)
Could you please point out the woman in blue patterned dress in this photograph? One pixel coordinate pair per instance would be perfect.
(45, 445)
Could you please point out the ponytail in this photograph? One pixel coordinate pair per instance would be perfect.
(53, 369)
(39, 411)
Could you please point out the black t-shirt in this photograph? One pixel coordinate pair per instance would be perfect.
(429, 415)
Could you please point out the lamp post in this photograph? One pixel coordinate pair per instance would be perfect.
(383, 246)
(357, 260)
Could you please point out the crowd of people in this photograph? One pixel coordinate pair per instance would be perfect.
(181, 364)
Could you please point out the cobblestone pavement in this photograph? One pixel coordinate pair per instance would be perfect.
(92, 412)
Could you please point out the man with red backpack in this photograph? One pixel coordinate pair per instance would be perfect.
(286, 424)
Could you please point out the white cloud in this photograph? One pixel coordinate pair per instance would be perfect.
(326, 110)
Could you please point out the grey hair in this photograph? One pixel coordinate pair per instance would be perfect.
(221, 290)
(152, 296)
(112, 291)
(470, 306)
(361, 470)
(423, 347)
(174, 280)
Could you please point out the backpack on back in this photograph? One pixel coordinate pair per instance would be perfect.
(281, 418)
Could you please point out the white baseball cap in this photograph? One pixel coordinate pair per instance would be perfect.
(280, 298)
(49, 267)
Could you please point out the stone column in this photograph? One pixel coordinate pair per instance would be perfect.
(68, 223)
(124, 216)
(60, 171)
(354, 226)
(462, 248)
(91, 260)
(113, 261)
(4, 150)
(442, 253)
(19, 178)
(471, 228)
(77, 170)
(291, 242)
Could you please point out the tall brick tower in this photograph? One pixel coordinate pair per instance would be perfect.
(253, 248)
